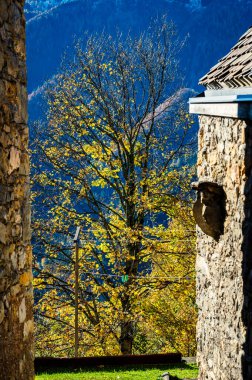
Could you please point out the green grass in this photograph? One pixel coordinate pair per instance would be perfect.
(182, 371)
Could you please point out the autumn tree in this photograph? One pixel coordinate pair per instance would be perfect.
(112, 158)
(169, 313)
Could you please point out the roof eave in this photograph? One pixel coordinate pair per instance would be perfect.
(234, 103)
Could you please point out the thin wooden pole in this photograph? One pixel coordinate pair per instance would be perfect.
(76, 345)
(76, 321)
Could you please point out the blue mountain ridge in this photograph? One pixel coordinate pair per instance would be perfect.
(212, 28)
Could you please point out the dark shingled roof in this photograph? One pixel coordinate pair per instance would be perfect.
(235, 69)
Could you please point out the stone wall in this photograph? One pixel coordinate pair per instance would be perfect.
(224, 276)
(16, 321)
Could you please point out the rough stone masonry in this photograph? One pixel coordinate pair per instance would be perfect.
(224, 265)
(16, 298)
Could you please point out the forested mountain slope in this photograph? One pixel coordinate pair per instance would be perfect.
(212, 28)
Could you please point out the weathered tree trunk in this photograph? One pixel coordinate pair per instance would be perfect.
(127, 325)
(135, 221)
(126, 338)
(16, 298)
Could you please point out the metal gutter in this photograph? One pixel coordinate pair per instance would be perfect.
(221, 99)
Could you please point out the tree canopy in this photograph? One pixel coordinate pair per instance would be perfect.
(114, 157)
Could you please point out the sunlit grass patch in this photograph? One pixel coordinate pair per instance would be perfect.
(182, 371)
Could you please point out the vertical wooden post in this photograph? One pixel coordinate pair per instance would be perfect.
(76, 322)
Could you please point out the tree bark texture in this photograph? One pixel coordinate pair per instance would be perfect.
(16, 296)
(127, 337)
(127, 326)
